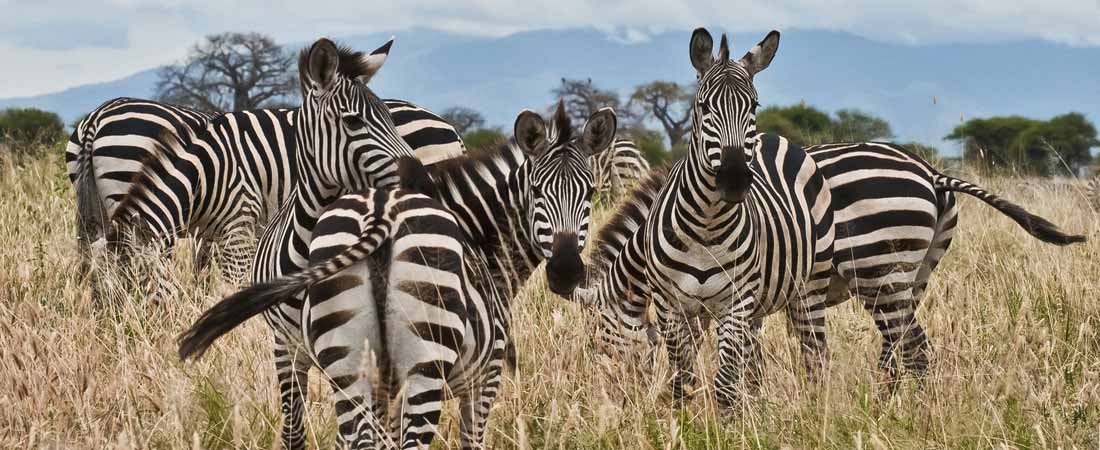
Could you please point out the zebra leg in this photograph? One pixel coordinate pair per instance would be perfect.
(292, 373)
(895, 319)
(737, 349)
(807, 316)
(681, 348)
(238, 247)
(476, 405)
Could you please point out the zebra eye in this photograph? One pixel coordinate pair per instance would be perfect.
(354, 121)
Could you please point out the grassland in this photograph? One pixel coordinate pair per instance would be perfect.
(1015, 323)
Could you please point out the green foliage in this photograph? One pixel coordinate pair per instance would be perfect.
(482, 137)
(1026, 145)
(800, 124)
(857, 126)
(807, 125)
(30, 126)
(927, 152)
(649, 142)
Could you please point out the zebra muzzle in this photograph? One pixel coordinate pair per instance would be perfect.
(565, 270)
(734, 177)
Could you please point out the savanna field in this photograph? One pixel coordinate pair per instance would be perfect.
(1015, 324)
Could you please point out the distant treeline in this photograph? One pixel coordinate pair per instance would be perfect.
(235, 71)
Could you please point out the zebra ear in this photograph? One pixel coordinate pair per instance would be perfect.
(599, 131)
(723, 50)
(321, 65)
(372, 62)
(760, 57)
(700, 50)
(530, 132)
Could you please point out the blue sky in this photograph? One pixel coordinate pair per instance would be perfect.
(51, 45)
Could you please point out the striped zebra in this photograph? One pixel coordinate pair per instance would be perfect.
(168, 172)
(737, 230)
(424, 284)
(619, 168)
(895, 217)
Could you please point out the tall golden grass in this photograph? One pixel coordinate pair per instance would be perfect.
(1014, 324)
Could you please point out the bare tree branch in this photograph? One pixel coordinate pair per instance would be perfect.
(666, 102)
(231, 71)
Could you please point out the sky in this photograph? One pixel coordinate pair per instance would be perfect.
(50, 45)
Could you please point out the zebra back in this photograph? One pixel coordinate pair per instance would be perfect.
(619, 167)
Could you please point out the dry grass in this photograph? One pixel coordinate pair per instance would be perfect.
(1014, 322)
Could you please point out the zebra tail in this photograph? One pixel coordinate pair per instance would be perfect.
(1036, 226)
(234, 310)
(91, 213)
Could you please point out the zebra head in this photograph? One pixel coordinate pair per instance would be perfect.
(724, 110)
(344, 131)
(559, 188)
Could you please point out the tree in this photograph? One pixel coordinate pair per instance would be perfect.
(582, 99)
(30, 126)
(463, 119)
(482, 138)
(1064, 139)
(857, 126)
(1027, 145)
(669, 104)
(802, 125)
(988, 142)
(926, 152)
(230, 71)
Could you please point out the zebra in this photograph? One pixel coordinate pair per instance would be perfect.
(619, 168)
(490, 218)
(168, 171)
(738, 229)
(895, 218)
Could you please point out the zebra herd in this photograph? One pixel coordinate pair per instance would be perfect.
(389, 256)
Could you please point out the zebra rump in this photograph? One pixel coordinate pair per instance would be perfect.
(234, 310)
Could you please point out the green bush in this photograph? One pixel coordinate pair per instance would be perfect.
(482, 137)
(30, 126)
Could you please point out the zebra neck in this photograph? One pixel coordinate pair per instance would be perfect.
(701, 189)
(487, 198)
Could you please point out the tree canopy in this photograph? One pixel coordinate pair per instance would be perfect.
(666, 102)
(30, 125)
(231, 72)
(463, 119)
(1025, 145)
(807, 125)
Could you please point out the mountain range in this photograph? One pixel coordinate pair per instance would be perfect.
(923, 91)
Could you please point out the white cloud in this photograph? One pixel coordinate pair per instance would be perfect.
(159, 31)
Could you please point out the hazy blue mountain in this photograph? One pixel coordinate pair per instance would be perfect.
(831, 70)
(74, 102)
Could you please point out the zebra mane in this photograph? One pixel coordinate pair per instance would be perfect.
(351, 62)
(167, 145)
(414, 176)
(499, 150)
(627, 218)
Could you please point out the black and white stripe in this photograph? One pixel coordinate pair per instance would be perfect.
(739, 229)
(425, 285)
(168, 172)
(619, 168)
(895, 218)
